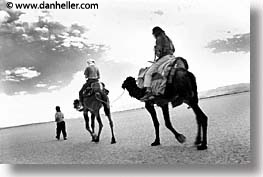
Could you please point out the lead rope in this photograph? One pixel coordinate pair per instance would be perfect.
(118, 97)
(112, 101)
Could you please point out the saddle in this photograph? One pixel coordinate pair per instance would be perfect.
(95, 87)
(163, 75)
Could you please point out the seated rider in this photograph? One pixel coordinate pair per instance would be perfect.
(164, 48)
(92, 75)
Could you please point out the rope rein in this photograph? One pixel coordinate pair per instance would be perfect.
(112, 101)
(118, 96)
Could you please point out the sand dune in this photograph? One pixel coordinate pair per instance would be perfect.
(225, 90)
(228, 138)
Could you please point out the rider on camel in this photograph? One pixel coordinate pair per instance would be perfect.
(164, 50)
(92, 75)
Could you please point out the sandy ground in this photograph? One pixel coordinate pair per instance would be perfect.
(228, 138)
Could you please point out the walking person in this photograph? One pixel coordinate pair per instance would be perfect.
(61, 126)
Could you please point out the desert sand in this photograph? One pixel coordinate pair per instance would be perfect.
(228, 138)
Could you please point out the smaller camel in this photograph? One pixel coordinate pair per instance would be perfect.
(92, 104)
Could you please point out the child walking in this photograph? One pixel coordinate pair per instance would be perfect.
(59, 118)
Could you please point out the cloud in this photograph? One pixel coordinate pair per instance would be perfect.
(21, 93)
(158, 12)
(237, 43)
(4, 16)
(36, 39)
(20, 74)
(42, 30)
(26, 73)
(41, 85)
(52, 87)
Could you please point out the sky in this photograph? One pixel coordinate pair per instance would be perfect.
(43, 53)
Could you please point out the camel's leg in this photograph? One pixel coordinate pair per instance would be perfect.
(100, 126)
(86, 118)
(92, 122)
(198, 136)
(168, 124)
(108, 114)
(151, 110)
(93, 127)
(202, 118)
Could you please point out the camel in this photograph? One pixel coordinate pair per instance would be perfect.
(182, 89)
(92, 104)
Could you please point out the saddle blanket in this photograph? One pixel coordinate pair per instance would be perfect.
(94, 88)
(160, 77)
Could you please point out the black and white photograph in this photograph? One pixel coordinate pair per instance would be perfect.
(161, 82)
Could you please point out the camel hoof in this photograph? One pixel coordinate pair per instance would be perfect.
(197, 141)
(93, 137)
(97, 140)
(113, 141)
(202, 147)
(180, 138)
(155, 143)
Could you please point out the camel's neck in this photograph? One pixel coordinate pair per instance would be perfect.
(136, 92)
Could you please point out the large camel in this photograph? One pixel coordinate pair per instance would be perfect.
(182, 89)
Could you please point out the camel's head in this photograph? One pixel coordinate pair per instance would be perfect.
(129, 83)
(76, 104)
(132, 88)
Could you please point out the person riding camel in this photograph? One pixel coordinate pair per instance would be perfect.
(163, 49)
(92, 75)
